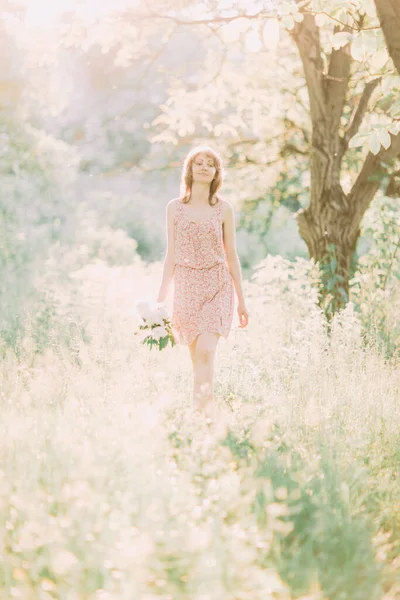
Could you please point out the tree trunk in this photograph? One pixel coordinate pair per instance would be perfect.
(330, 225)
(326, 224)
(331, 240)
(389, 16)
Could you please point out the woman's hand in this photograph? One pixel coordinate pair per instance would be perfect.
(243, 314)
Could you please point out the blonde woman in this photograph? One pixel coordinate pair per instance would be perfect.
(202, 260)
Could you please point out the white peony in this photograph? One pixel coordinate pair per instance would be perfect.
(153, 319)
(162, 311)
(144, 309)
(159, 332)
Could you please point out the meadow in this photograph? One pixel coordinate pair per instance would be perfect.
(110, 487)
(111, 490)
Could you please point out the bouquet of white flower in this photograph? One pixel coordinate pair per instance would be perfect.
(156, 324)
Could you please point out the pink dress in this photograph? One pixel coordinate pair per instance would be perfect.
(203, 299)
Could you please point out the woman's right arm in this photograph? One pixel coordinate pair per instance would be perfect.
(169, 260)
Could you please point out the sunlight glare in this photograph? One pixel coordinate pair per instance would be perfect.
(42, 13)
(271, 33)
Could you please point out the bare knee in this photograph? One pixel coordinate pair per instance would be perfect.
(205, 349)
(204, 355)
(192, 349)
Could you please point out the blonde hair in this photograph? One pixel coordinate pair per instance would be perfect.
(187, 176)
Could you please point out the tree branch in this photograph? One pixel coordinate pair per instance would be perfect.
(290, 123)
(370, 178)
(359, 112)
(393, 186)
(290, 148)
(337, 82)
(154, 15)
(389, 17)
(306, 36)
(358, 28)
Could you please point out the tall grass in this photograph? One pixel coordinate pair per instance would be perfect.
(110, 489)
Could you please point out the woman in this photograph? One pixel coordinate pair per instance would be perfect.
(202, 260)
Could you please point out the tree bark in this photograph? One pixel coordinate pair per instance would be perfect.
(389, 16)
(330, 225)
(335, 221)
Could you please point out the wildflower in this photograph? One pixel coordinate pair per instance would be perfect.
(156, 328)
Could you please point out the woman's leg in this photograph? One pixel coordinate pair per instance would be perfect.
(192, 348)
(203, 371)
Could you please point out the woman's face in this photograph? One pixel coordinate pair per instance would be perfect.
(203, 168)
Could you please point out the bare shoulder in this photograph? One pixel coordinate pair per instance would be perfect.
(227, 209)
(172, 205)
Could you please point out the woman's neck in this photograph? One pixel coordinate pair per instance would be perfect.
(200, 193)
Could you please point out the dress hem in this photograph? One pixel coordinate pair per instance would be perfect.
(187, 343)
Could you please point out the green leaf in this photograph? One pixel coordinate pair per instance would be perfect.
(163, 342)
(379, 59)
(331, 284)
(357, 48)
(298, 16)
(384, 138)
(395, 128)
(357, 140)
(341, 39)
(253, 41)
(389, 83)
(288, 22)
(365, 43)
(374, 143)
(395, 109)
(322, 19)
(369, 9)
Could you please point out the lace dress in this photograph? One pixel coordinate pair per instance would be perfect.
(203, 298)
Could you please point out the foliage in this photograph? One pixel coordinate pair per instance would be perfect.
(375, 286)
(294, 490)
(34, 208)
(332, 280)
(155, 324)
(291, 493)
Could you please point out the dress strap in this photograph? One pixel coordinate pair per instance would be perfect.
(180, 211)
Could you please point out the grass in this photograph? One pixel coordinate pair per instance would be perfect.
(109, 490)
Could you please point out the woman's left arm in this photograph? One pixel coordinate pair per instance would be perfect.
(229, 239)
